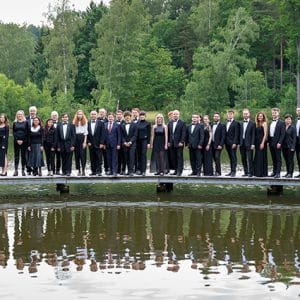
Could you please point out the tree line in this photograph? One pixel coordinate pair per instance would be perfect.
(196, 55)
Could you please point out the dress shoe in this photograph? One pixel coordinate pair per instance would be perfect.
(245, 175)
(99, 174)
(199, 174)
(228, 174)
(4, 174)
(122, 173)
(68, 174)
(250, 175)
(277, 176)
(232, 174)
(192, 174)
(161, 174)
(143, 174)
(272, 175)
(138, 172)
(57, 172)
(83, 173)
(92, 174)
(217, 174)
(289, 176)
(156, 173)
(130, 174)
(179, 174)
(15, 173)
(285, 175)
(23, 173)
(298, 176)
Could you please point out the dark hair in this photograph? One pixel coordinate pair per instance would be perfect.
(217, 113)
(127, 113)
(47, 127)
(5, 118)
(64, 114)
(288, 116)
(111, 114)
(119, 111)
(142, 113)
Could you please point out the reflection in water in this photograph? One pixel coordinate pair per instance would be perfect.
(115, 240)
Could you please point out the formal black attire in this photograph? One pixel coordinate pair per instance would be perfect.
(207, 154)
(80, 151)
(103, 151)
(194, 140)
(232, 137)
(159, 159)
(129, 133)
(50, 144)
(96, 137)
(247, 141)
(4, 135)
(29, 121)
(143, 140)
(218, 139)
(57, 154)
(176, 135)
(288, 148)
(20, 133)
(278, 137)
(112, 140)
(297, 125)
(121, 154)
(260, 166)
(64, 143)
(35, 154)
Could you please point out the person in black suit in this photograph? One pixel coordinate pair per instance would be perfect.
(297, 125)
(121, 154)
(129, 131)
(57, 161)
(112, 143)
(102, 116)
(289, 145)
(276, 137)
(143, 143)
(194, 141)
(247, 143)
(218, 140)
(232, 141)
(66, 138)
(95, 141)
(176, 139)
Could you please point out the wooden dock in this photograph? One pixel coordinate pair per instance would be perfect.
(163, 183)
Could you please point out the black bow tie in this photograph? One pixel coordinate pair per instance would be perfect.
(215, 123)
(230, 120)
(93, 121)
(65, 123)
(298, 119)
(245, 121)
(274, 120)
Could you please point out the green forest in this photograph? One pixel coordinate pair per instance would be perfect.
(193, 55)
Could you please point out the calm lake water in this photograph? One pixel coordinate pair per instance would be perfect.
(208, 242)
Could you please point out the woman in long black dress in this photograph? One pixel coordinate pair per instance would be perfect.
(4, 134)
(35, 147)
(50, 138)
(206, 150)
(261, 156)
(20, 133)
(289, 145)
(159, 145)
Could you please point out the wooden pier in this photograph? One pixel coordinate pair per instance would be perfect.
(163, 183)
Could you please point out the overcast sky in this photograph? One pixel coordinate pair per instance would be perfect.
(31, 11)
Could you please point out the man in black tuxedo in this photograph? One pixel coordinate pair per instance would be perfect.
(129, 131)
(218, 140)
(194, 141)
(66, 137)
(54, 117)
(121, 154)
(95, 141)
(297, 125)
(176, 139)
(112, 143)
(102, 116)
(247, 138)
(232, 141)
(275, 139)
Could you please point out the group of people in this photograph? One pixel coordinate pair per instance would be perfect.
(118, 143)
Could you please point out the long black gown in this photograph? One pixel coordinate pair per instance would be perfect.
(207, 155)
(261, 156)
(4, 133)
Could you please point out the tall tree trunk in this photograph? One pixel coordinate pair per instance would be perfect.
(281, 64)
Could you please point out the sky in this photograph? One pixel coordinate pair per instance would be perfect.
(32, 11)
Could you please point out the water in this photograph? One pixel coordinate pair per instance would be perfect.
(98, 243)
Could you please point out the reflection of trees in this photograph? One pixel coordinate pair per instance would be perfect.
(3, 239)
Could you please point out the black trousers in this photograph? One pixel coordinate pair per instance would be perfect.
(141, 148)
(276, 159)
(96, 160)
(232, 157)
(121, 160)
(247, 159)
(112, 159)
(57, 160)
(66, 162)
(17, 150)
(298, 158)
(217, 159)
(130, 158)
(177, 158)
(289, 160)
(50, 158)
(103, 153)
(80, 152)
(195, 160)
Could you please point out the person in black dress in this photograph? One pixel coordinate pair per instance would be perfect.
(297, 125)
(289, 145)
(207, 148)
(35, 147)
(261, 152)
(143, 143)
(4, 134)
(50, 141)
(20, 133)
(159, 145)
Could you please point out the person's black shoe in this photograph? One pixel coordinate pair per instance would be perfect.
(272, 175)
(192, 174)
(298, 176)
(289, 176)
(92, 174)
(199, 174)
(228, 174)
(130, 174)
(232, 174)
(68, 174)
(174, 173)
(138, 172)
(245, 175)
(217, 174)
(285, 175)
(57, 173)
(179, 174)
(277, 176)
(250, 175)
(143, 174)
(23, 173)
(99, 174)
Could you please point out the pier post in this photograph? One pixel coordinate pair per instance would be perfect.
(275, 190)
(62, 188)
(164, 187)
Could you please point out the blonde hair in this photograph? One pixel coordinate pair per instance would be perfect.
(159, 116)
(20, 112)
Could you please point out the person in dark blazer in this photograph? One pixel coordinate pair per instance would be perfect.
(194, 141)
(143, 143)
(231, 141)
(275, 139)
(247, 143)
(66, 138)
(112, 144)
(176, 139)
(129, 131)
(57, 159)
(218, 140)
(95, 141)
(297, 125)
(289, 145)
(50, 145)
(102, 116)
(121, 154)
(32, 114)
